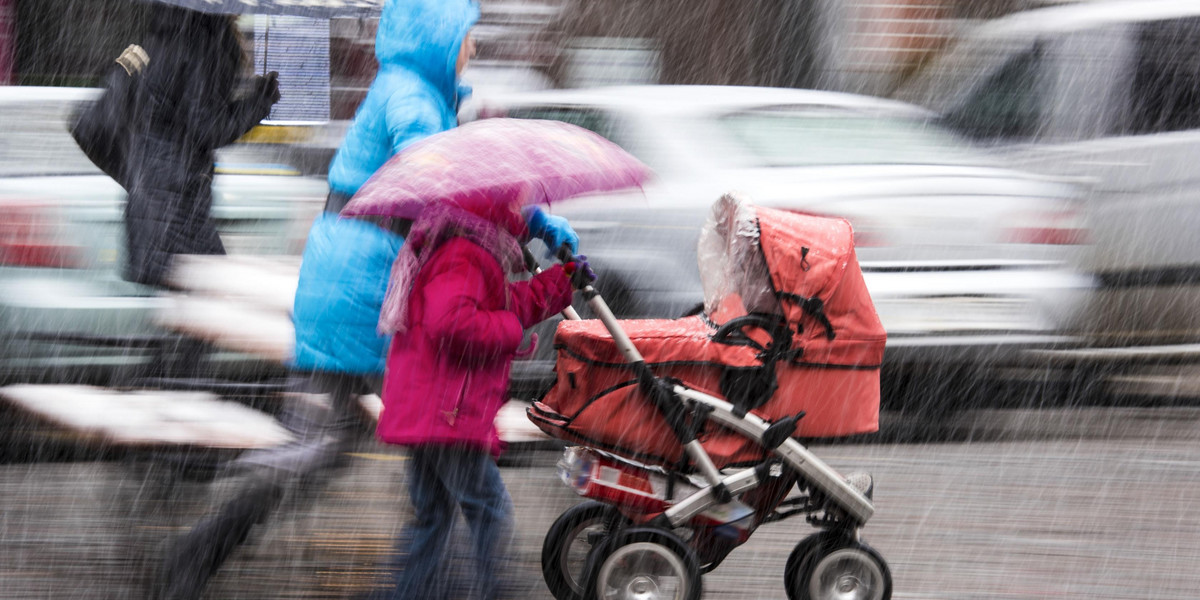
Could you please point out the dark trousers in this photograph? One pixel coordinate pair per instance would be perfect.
(323, 432)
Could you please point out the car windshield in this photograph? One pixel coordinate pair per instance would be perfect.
(810, 136)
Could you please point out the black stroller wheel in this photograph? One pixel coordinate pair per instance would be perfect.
(791, 571)
(569, 541)
(832, 566)
(643, 563)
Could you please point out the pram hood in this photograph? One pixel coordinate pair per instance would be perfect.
(761, 260)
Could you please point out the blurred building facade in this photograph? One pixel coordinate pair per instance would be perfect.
(509, 32)
(67, 42)
(863, 46)
(7, 41)
(880, 42)
(852, 45)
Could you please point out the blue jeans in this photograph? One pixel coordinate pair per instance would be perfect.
(439, 479)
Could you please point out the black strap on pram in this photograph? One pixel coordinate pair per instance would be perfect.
(747, 388)
(659, 392)
(813, 307)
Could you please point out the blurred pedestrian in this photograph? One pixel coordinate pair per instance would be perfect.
(458, 323)
(191, 96)
(186, 108)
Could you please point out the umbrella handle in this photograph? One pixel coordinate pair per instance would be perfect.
(531, 263)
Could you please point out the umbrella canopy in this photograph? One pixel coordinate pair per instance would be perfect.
(506, 161)
(301, 8)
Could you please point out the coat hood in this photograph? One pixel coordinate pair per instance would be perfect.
(167, 20)
(424, 36)
(203, 35)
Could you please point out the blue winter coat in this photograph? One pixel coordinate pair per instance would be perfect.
(415, 93)
(346, 263)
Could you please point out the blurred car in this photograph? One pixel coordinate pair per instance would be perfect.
(490, 77)
(65, 312)
(967, 261)
(1107, 93)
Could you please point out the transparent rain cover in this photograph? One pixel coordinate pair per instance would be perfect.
(733, 269)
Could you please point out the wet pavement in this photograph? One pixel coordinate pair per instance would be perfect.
(1096, 503)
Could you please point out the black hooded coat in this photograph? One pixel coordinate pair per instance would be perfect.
(186, 109)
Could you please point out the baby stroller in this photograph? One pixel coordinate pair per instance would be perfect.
(687, 427)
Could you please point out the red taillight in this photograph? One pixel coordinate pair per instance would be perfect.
(1062, 228)
(491, 112)
(30, 237)
(868, 238)
(1047, 235)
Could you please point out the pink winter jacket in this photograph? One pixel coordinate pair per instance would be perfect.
(447, 375)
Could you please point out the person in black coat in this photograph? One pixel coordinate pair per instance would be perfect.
(188, 105)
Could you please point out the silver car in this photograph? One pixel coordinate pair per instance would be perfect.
(65, 313)
(967, 261)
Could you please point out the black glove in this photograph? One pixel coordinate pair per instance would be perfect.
(267, 88)
(579, 271)
(262, 95)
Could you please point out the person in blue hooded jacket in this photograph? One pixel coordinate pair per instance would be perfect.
(422, 47)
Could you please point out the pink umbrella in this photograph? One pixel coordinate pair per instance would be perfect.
(497, 162)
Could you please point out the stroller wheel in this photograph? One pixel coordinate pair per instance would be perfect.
(643, 563)
(570, 540)
(831, 566)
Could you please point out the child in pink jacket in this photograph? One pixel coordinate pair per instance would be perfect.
(459, 323)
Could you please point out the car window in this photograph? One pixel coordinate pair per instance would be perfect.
(619, 130)
(951, 76)
(1007, 105)
(806, 136)
(591, 119)
(636, 140)
(1165, 87)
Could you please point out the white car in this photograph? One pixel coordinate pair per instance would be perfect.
(967, 261)
(1108, 93)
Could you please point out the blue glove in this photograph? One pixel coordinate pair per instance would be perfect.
(554, 231)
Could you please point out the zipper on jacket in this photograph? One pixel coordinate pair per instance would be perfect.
(451, 415)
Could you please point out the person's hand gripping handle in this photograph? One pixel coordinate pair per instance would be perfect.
(531, 263)
(577, 267)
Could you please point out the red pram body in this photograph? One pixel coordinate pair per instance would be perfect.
(758, 265)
